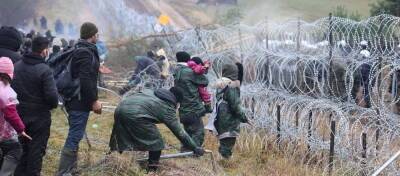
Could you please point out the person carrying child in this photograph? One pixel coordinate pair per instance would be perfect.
(199, 67)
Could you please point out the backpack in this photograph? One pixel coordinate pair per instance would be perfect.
(213, 117)
(68, 87)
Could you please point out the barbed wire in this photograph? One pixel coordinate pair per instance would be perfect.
(333, 69)
(316, 68)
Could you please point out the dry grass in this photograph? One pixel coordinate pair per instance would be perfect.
(259, 158)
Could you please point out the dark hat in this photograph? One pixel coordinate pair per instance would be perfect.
(39, 44)
(230, 71)
(88, 30)
(182, 56)
(10, 38)
(197, 60)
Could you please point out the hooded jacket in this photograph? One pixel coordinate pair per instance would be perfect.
(135, 119)
(85, 66)
(35, 85)
(145, 66)
(229, 111)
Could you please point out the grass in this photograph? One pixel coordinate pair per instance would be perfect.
(259, 158)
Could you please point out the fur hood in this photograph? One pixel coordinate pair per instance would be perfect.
(223, 82)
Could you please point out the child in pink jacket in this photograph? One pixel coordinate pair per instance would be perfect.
(200, 67)
(10, 123)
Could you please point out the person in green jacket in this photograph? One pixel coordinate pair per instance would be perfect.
(192, 108)
(135, 123)
(229, 113)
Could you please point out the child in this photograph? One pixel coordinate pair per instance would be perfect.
(10, 122)
(198, 67)
(229, 113)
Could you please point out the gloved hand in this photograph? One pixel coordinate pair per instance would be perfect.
(208, 108)
(198, 151)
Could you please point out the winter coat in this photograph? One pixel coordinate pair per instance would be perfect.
(85, 66)
(229, 111)
(10, 122)
(135, 119)
(365, 70)
(13, 55)
(145, 66)
(35, 85)
(191, 105)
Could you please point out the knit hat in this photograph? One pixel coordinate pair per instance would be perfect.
(6, 66)
(182, 56)
(88, 30)
(198, 60)
(230, 71)
(10, 38)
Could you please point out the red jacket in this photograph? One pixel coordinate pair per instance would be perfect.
(10, 122)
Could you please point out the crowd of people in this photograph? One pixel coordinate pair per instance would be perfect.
(30, 88)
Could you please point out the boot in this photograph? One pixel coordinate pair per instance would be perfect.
(9, 166)
(154, 158)
(152, 167)
(68, 162)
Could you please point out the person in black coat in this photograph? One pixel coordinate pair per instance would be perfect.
(59, 27)
(37, 94)
(85, 67)
(10, 43)
(43, 23)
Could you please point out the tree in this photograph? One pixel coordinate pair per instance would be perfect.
(386, 6)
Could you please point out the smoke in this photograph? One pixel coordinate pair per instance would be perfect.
(119, 20)
(256, 11)
(16, 12)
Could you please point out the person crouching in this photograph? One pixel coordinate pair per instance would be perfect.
(135, 124)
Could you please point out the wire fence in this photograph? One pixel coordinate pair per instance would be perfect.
(328, 87)
(326, 91)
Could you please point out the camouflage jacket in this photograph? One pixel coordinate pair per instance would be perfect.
(187, 80)
(135, 119)
(229, 111)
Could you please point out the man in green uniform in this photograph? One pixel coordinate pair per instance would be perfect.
(192, 108)
(135, 123)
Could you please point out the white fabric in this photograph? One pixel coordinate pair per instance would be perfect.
(365, 53)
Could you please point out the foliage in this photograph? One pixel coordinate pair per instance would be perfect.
(386, 6)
